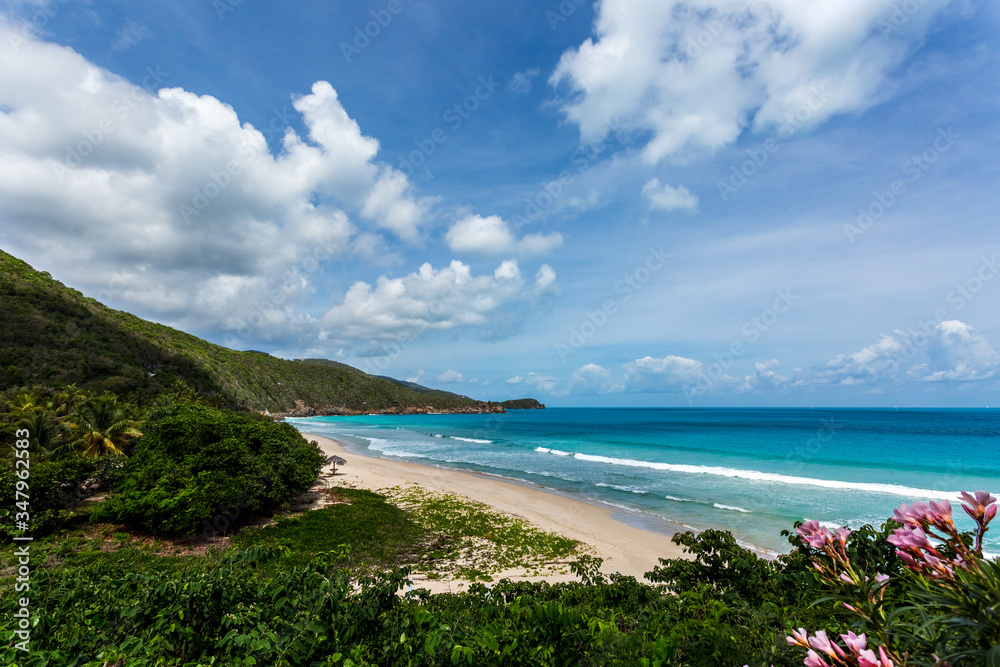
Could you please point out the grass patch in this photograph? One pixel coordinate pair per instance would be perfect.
(380, 536)
(433, 534)
(473, 541)
(367, 533)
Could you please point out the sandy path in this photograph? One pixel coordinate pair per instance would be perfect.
(625, 549)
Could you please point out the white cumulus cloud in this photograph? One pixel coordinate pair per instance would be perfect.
(155, 198)
(692, 74)
(951, 351)
(492, 235)
(451, 377)
(666, 374)
(593, 379)
(447, 299)
(959, 353)
(666, 197)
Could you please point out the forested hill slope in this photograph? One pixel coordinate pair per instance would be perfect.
(52, 335)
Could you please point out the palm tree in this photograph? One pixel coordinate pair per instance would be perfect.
(43, 434)
(70, 397)
(23, 403)
(105, 427)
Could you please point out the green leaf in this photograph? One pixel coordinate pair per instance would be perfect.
(993, 657)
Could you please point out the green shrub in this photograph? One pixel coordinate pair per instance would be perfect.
(200, 468)
(53, 488)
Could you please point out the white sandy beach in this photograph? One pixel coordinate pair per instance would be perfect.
(630, 551)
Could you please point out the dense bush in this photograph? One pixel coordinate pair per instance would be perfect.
(194, 459)
(54, 488)
(264, 604)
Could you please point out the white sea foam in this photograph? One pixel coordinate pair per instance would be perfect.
(390, 448)
(557, 452)
(481, 442)
(832, 525)
(632, 489)
(756, 475)
(680, 500)
(730, 507)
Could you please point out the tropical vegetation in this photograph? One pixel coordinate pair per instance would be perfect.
(163, 534)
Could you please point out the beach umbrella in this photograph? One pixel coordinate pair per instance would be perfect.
(336, 461)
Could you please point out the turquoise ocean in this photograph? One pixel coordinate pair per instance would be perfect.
(752, 471)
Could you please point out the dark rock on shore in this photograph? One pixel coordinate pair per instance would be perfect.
(303, 410)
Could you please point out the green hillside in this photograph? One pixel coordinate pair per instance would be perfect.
(52, 335)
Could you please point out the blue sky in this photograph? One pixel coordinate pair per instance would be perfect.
(627, 203)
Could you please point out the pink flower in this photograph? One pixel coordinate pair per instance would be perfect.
(821, 642)
(799, 638)
(882, 578)
(981, 506)
(841, 534)
(909, 537)
(857, 643)
(866, 658)
(940, 566)
(917, 513)
(813, 660)
(940, 513)
(814, 534)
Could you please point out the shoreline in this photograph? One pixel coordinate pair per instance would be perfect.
(625, 548)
